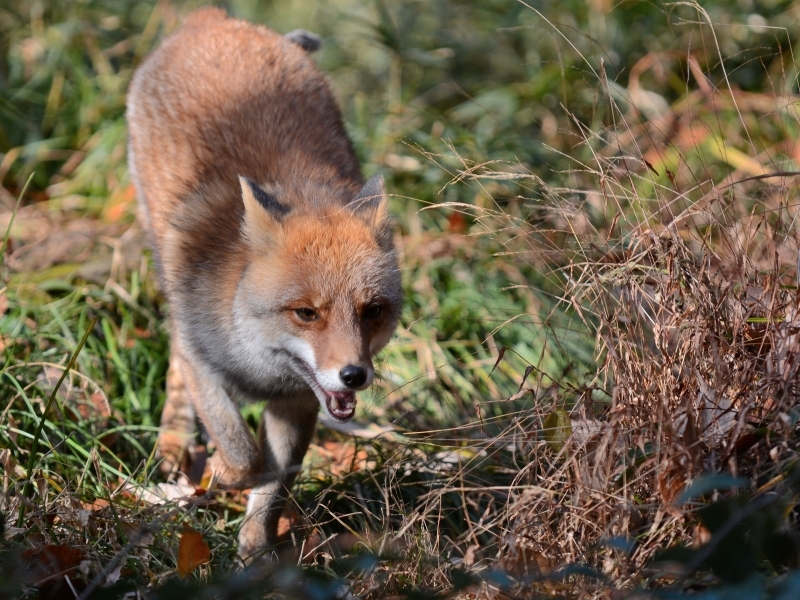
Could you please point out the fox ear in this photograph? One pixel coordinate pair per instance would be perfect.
(263, 212)
(255, 197)
(370, 203)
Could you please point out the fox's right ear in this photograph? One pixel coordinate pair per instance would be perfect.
(370, 203)
(263, 212)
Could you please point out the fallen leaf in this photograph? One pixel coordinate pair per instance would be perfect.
(10, 465)
(343, 457)
(13, 432)
(314, 542)
(96, 504)
(49, 560)
(521, 562)
(672, 479)
(192, 552)
(557, 429)
(287, 520)
(179, 491)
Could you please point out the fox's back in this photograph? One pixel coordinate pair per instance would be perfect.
(221, 98)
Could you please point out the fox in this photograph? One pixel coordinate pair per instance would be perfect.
(275, 256)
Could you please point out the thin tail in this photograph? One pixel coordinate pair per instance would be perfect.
(310, 42)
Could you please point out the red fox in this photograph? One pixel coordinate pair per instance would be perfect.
(275, 256)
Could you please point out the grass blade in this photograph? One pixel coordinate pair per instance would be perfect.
(37, 435)
(13, 215)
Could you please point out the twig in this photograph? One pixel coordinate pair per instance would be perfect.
(14, 214)
(762, 176)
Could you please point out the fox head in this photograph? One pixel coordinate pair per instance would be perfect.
(321, 294)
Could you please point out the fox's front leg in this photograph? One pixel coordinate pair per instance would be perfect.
(177, 430)
(286, 430)
(237, 460)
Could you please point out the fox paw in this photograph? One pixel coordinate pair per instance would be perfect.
(175, 451)
(255, 548)
(231, 477)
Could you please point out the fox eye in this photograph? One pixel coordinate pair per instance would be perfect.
(373, 311)
(306, 314)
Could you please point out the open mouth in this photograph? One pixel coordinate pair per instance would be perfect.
(341, 405)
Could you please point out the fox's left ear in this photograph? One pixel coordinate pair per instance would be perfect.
(263, 212)
(370, 203)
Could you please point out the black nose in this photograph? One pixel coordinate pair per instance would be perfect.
(353, 376)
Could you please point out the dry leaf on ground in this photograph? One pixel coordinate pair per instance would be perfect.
(45, 562)
(192, 552)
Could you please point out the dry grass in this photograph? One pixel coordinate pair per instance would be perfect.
(688, 282)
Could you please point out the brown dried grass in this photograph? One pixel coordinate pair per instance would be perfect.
(689, 287)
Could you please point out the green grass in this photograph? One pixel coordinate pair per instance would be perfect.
(551, 169)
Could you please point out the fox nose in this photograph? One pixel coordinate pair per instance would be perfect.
(353, 376)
